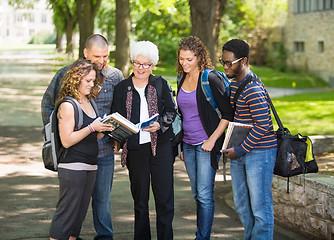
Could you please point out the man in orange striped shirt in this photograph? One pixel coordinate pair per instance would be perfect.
(252, 163)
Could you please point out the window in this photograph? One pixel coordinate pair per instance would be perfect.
(19, 17)
(321, 46)
(276, 46)
(31, 17)
(320, 5)
(328, 4)
(298, 46)
(307, 5)
(302, 6)
(43, 18)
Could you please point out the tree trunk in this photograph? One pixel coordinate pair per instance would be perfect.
(59, 41)
(69, 34)
(122, 54)
(86, 12)
(205, 20)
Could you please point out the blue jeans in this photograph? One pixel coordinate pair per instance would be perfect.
(202, 180)
(101, 198)
(252, 176)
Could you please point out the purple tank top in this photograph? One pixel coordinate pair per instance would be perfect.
(193, 130)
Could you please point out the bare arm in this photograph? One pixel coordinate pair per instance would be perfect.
(68, 136)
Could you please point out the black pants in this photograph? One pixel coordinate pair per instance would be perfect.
(75, 189)
(143, 168)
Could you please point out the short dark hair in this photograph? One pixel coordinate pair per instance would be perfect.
(97, 40)
(239, 47)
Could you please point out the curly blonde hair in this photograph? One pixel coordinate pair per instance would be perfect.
(195, 45)
(73, 77)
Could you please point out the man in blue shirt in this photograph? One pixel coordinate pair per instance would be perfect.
(97, 51)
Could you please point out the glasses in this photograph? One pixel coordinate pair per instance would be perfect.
(144, 65)
(228, 63)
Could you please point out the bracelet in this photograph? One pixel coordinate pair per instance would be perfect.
(90, 126)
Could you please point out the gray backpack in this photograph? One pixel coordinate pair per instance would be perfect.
(53, 150)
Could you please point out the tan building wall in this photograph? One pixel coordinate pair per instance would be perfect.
(309, 36)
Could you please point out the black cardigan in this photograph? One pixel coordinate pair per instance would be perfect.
(208, 115)
(166, 108)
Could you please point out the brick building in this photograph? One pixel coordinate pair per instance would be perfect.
(309, 36)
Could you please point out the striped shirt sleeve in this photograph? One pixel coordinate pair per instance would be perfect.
(252, 108)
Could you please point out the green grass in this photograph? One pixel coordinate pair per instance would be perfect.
(273, 78)
(309, 113)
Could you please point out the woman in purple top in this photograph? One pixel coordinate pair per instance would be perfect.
(203, 129)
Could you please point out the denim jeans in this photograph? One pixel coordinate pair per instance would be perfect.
(202, 180)
(101, 198)
(252, 176)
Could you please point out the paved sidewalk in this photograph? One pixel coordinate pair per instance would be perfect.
(28, 195)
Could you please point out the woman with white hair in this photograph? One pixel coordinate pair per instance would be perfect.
(148, 155)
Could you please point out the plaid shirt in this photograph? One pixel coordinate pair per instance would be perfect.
(103, 101)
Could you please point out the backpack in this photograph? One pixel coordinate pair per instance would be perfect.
(177, 123)
(207, 90)
(53, 150)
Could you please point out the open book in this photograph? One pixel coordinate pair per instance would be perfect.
(236, 133)
(123, 128)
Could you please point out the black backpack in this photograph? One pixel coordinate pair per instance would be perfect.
(53, 150)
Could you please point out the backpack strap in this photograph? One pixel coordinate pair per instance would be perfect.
(92, 101)
(158, 86)
(205, 85)
(78, 115)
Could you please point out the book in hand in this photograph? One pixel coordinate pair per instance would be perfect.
(123, 128)
(148, 122)
(236, 133)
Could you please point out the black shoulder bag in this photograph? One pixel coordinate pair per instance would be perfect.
(294, 152)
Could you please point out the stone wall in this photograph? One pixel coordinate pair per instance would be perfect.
(308, 207)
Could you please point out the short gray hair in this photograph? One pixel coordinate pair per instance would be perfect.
(146, 49)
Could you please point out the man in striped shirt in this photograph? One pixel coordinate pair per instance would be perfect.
(252, 163)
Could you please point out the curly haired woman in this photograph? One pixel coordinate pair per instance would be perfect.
(77, 168)
(203, 129)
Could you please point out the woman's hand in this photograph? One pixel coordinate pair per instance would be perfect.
(208, 145)
(101, 127)
(155, 126)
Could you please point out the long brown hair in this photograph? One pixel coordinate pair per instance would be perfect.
(78, 70)
(195, 45)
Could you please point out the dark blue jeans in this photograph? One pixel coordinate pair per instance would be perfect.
(202, 180)
(101, 198)
(252, 176)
